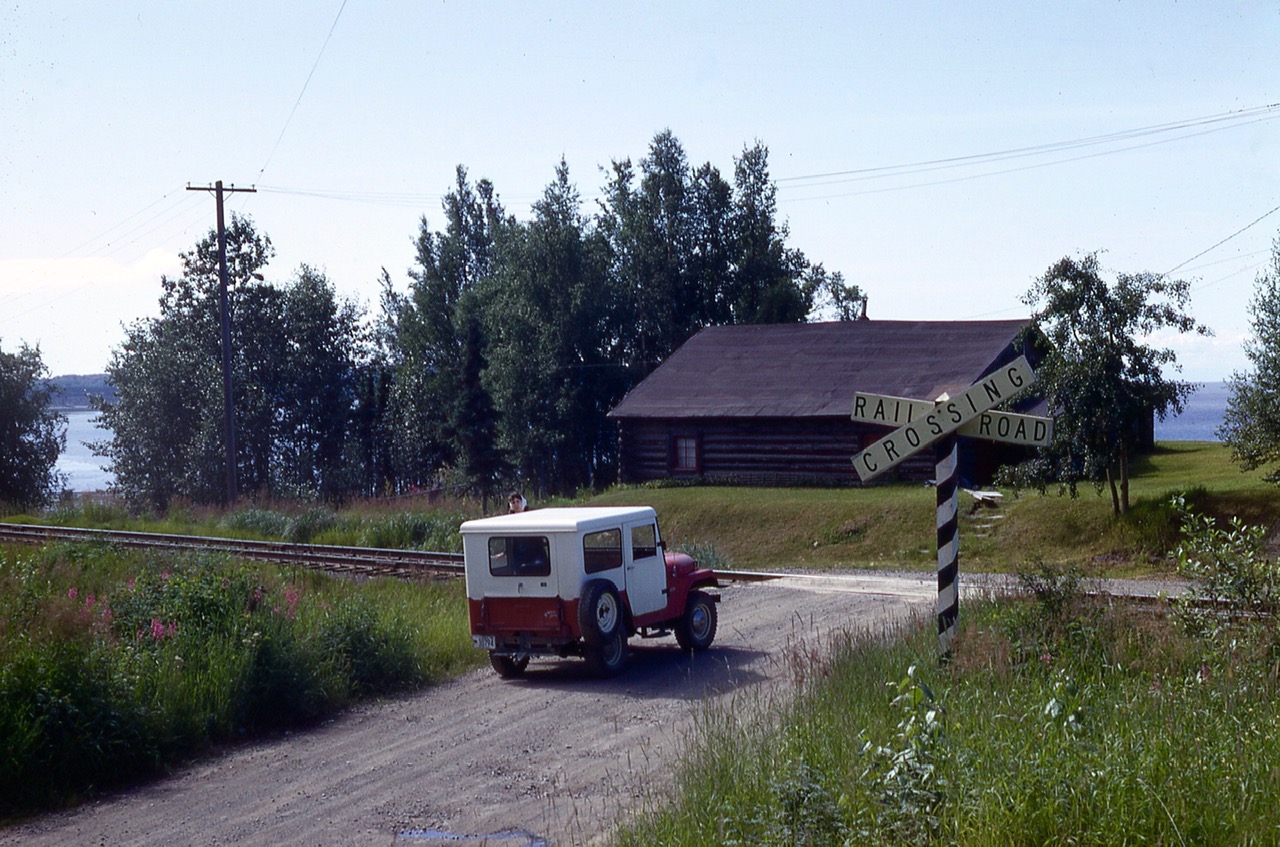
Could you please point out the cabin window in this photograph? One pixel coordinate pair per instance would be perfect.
(602, 551)
(519, 555)
(686, 459)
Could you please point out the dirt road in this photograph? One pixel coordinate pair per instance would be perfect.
(552, 759)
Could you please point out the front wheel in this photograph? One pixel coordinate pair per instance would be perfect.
(509, 667)
(697, 627)
(610, 657)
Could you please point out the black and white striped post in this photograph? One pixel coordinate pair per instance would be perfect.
(948, 604)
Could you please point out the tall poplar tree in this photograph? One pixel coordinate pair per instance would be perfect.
(32, 435)
(1251, 424)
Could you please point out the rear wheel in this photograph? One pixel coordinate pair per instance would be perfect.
(509, 667)
(599, 612)
(609, 658)
(697, 627)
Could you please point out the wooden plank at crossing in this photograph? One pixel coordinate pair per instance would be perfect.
(946, 417)
(992, 425)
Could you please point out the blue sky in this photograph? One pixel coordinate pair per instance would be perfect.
(109, 110)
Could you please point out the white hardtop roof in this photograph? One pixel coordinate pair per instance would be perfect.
(573, 519)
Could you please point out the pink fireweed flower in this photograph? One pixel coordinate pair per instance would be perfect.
(291, 598)
(72, 593)
(157, 629)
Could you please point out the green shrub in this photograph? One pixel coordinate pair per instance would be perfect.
(306, 527)
(1230, 567)
(412, 530)
(377, 656)
(113, 665)
(259, 523)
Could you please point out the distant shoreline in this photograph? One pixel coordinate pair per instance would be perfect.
(72, 392)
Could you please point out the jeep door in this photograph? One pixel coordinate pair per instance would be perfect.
(646, 571)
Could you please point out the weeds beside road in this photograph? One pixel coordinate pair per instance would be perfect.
(118, 665)
(1059, 719)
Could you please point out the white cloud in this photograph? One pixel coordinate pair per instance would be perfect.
(74, 308)
(1203, 358)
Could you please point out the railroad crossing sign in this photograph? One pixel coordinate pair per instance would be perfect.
(922, 424)
(1007, 427)
(943, 417)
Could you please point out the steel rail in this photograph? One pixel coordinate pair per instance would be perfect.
(356, 561)
(345, 560)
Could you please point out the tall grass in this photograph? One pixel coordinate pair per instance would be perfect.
(114, 665)
(1059, 720)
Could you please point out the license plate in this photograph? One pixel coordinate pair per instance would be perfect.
(484, 642)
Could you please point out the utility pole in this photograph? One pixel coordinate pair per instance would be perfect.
(228, 407)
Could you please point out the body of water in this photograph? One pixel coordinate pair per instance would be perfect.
(83, 469)
(1201, 418)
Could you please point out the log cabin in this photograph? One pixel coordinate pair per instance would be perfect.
(770, 404)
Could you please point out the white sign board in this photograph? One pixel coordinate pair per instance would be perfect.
(1006, 427)
(947, 417)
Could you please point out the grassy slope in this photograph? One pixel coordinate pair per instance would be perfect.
(892, 526)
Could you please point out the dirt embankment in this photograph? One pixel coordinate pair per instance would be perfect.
(554, 758)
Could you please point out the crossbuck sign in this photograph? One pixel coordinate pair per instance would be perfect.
(922, 424)
(927, 422)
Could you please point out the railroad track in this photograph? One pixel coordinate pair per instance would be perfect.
(346, 561)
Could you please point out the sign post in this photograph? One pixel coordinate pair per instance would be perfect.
(946, 477)
(922, 424)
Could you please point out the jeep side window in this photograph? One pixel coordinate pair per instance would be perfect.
(644, 541)
(602, 551)
(519, 555)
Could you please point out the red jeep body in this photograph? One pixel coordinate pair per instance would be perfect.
(580, 581)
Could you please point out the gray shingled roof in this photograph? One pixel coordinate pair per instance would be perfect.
(813, 370)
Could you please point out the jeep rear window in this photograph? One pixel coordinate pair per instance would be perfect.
(602, 551)
(519, 555)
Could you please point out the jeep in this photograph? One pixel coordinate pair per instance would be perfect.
(579, 582)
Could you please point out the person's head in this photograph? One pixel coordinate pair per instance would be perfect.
(516, 502)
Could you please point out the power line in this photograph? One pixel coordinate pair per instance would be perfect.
(1247, 226)
(984, 175)
(298, 102)
(1250, 115)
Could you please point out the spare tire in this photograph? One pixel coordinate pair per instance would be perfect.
(599, 612)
